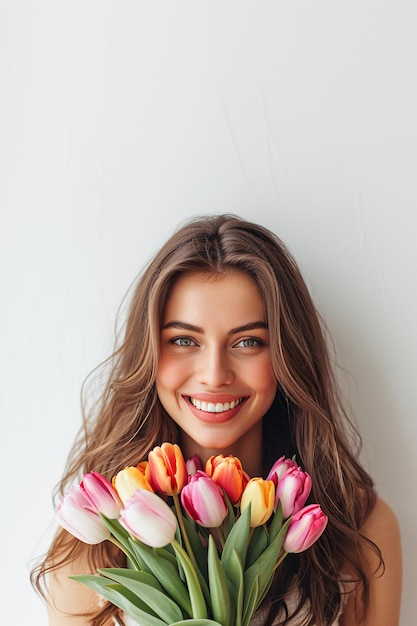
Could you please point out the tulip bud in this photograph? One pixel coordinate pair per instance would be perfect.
(193, 465)
(204, 501)
(168, 469)
(228, 473)
(260, 494)
(292, 491)
(101, 495)
(305, 528)
(149, 518)
(279, 468)
(76, 514)
(144, 469)
(128, 480)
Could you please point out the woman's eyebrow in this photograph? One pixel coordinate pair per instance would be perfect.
(182, 326)
(197, 329)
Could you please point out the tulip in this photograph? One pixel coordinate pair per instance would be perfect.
(144, 469)
(149, 518)
(168, 469)
(260, 494)
(228, 473)
(101, 495)
(204, 500)
(193, 465)
(292, 491)
(128, 480)
(279, 468)
(305, 528)
(76, 514)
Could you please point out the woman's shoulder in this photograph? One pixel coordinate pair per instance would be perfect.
(383, 565)
(64, 594)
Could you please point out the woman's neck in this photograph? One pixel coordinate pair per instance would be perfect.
(248, 449)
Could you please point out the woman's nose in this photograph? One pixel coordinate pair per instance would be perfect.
(215, 368)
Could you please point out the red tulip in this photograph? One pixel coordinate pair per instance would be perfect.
(204, 501)
(292, 491)
(168, 469)
(228, 473)
(305, 528)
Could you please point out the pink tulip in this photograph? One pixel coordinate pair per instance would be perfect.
(204, 501)
(292, 491)
(76, 514)
(305, 528)
(148, 517)
(279, 468)
(167, 468)
(101, 495)
(193, 465)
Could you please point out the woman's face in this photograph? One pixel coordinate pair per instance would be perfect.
(215, 375)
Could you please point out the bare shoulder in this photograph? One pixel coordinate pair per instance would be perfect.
(385, 579)
(381, 523)
(70, 602)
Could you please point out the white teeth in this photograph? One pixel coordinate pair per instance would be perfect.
(211, 407)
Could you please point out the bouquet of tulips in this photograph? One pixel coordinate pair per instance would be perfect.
(202, 545)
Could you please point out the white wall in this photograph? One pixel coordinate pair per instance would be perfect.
(120, 119)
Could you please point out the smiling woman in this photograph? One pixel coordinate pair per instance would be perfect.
(225, 353)
(216, 381)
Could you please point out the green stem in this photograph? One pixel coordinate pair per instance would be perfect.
(184, 531)
(130, 556)
(281, 558)
(220, 534)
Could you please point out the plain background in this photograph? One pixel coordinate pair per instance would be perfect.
(118, 120)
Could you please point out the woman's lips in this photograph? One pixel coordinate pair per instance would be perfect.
(215, 409)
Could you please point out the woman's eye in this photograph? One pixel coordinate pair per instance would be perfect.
(184, 342)
(249, 343)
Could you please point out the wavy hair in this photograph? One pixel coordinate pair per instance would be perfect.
(126, 420)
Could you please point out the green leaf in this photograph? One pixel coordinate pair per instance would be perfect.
(147, 588)
(167, 574)
(237, 540)
(236, 583)
(276, 523)
(230, 519)
(264, 566)
(122, 536)
(197, 622)
(221, 604)
(199, 550)
(121, 597)
(250, 602)
(258, 543)
(198, 603)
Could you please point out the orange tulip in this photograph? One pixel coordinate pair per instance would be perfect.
(128, 480)
(144, 468)
(228, 473)
(260, 494)
(167, 468)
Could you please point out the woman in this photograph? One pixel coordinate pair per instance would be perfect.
(224, 352)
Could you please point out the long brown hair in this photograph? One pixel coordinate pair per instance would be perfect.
(306, 419)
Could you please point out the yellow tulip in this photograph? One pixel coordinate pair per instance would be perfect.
(260, 494)
(128, 480)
